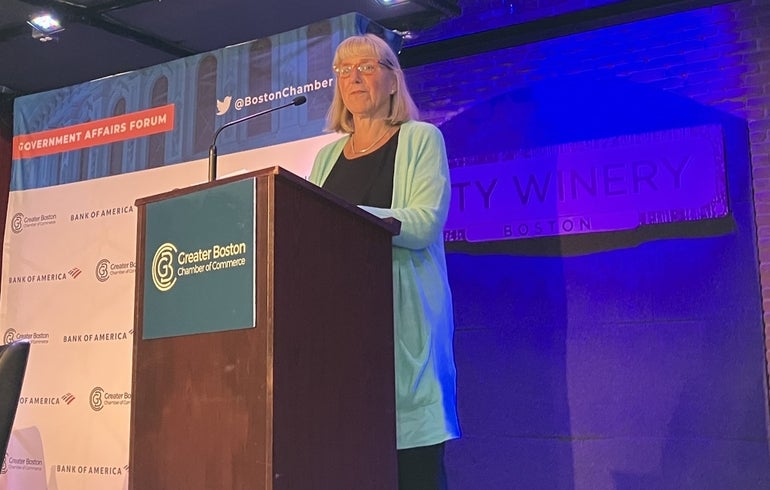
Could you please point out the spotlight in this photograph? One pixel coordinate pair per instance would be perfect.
(44, 26)
(391, 3)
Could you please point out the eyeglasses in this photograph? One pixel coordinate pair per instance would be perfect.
(365, 68)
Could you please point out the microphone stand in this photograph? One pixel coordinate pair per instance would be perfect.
(299, 100)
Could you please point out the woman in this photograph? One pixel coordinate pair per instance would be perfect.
(393, 166)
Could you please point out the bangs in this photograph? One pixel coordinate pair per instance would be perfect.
(356, 47)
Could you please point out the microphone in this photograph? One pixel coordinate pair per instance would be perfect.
(299, 100)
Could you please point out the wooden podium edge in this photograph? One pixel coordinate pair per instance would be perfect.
(392, 225)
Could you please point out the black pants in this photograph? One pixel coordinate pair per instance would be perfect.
(422, 468)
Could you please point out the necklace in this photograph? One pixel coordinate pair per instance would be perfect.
(353, 145)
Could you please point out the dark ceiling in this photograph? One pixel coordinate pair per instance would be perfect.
(105, 37)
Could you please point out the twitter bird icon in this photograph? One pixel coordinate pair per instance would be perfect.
(223, 105)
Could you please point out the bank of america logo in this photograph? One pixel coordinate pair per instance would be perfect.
(68, 398)
(224, 105)
(74, 272)
(163, 267)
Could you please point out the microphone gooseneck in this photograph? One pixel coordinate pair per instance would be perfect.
(299, 100)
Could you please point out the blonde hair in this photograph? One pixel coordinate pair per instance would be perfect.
(402, 107)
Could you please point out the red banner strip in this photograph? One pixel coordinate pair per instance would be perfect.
(94, 133)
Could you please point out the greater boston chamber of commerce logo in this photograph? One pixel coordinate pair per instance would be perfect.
(11, 335)
(103, 270)
(20, 221)
(17, 224)
(24, 464)
(99, 398)
(224, 105)
(106, 268)
(190, 263)
(163, 267)
(96, 399)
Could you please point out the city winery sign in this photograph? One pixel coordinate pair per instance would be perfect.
(611, 184)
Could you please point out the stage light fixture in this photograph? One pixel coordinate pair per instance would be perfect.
(391, 3)
(44, 26)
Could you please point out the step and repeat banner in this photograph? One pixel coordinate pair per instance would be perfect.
(82, 156)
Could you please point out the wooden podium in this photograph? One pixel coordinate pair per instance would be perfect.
(302, 400)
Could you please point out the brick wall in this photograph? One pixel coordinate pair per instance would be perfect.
(566, 382)
(717, 56)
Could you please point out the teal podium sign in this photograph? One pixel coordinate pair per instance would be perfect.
(200, 262)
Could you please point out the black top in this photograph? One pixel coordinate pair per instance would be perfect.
(366, 180)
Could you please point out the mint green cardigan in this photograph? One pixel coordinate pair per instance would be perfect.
(426, 395)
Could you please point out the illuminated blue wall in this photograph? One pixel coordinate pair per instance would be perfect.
(610, 361)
